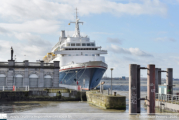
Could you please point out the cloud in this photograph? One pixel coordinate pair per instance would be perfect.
(165, 39)
(131, 8)
(131, 51)
(2, 30)
(36, 26)
(129, 59)
(114, 40)
(34, 47)
(23, 10)
(32, 39)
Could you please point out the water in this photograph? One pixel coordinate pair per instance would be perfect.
(77, 110)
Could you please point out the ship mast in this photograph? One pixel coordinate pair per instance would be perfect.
(77, 29)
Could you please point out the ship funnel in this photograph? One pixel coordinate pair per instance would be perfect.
(63, 33)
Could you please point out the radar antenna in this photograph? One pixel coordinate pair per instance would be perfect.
(77, 29)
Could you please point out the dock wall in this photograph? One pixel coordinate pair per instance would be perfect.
(106, 101)
(167, 106)
(45, 95)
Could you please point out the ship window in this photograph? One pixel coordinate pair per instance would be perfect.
(76, 54)
(92, 44)
(86, 54)
(83, 44)
(72, 44)
(88, 44)
(76, 48)
(68, 44)
(95, 48)
(69, 55)
(89, 48)
(92, 54)
(78, 44)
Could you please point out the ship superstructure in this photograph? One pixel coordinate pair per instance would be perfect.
(80, 59)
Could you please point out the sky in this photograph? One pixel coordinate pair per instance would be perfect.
(132, 31)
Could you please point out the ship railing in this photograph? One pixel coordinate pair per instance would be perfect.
(56, 45)
(104, 50)
(3, 63)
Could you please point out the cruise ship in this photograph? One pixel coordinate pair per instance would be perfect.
(80, 59)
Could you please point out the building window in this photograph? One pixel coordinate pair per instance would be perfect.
(92, 44)
(88, 44)
(68, 44)
(86, 54)
(83, 44)
(72, 44)
(78, 44)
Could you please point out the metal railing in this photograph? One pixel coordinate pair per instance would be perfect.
(48, 64)
(34, 64)
(174, 99)
(19, 63)
(3, 63)
(14, 88)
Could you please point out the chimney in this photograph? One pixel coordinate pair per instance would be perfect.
(62, 33)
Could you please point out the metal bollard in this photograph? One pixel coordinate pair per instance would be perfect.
(102, 88)
(108, 90)
(114, 93)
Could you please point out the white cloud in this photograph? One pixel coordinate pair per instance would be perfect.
(114, 40)
(23, 10)
(34, 47)
(101, 6)
(165, 39)
(36, 26)
(132, 51)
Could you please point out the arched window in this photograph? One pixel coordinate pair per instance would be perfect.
(47, 81)
(33, 80)
(19, 80)
(2, 80)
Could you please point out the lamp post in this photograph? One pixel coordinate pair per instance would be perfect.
(76, 76)
(111, 80)
(25, 57)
